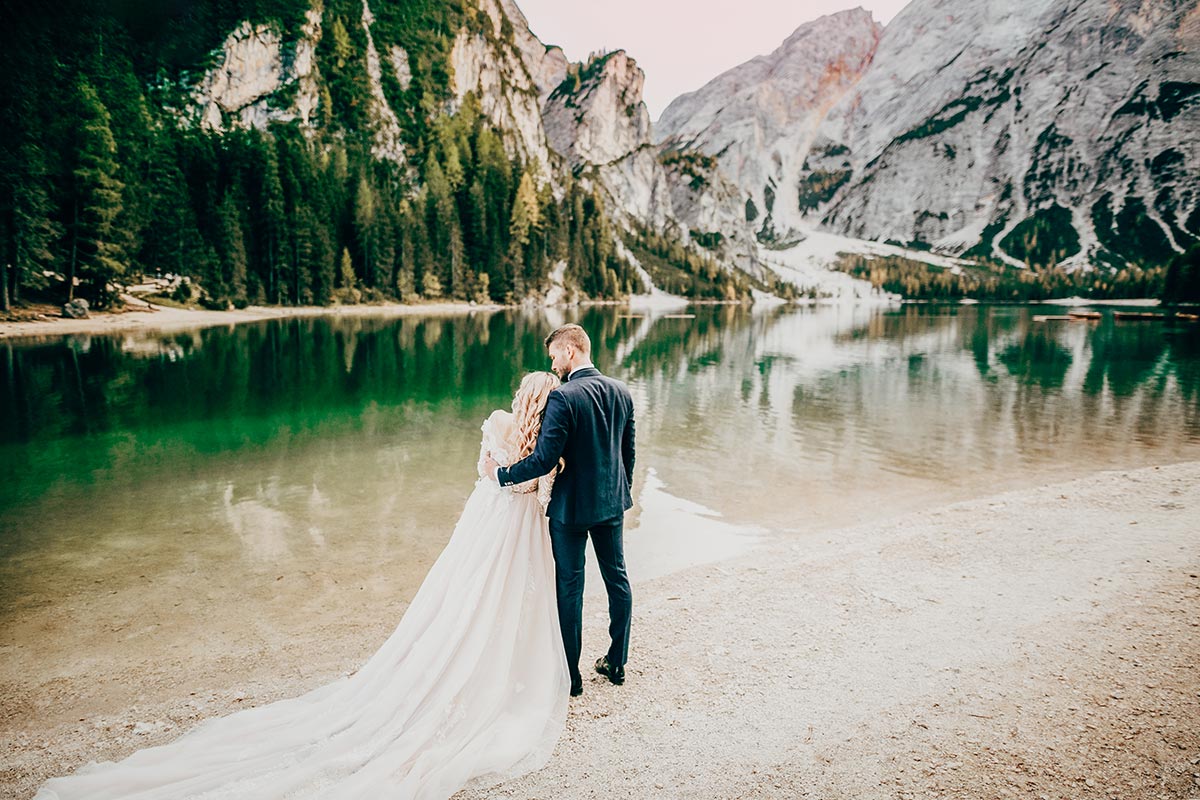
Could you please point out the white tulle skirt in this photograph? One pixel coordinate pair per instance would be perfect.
(470, 688)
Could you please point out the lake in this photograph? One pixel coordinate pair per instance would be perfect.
(228, 486)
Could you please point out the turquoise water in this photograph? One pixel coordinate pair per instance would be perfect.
(196, 464)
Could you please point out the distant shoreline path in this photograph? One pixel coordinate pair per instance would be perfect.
(169, 319)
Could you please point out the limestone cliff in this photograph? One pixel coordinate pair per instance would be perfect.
(596, 119)
(1037, 132)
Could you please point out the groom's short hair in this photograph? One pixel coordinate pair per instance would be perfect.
(573, 335)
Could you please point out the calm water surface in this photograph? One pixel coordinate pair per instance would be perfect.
(286, 468)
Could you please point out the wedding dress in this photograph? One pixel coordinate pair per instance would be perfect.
(471, 688)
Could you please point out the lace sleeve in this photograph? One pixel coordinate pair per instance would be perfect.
(483, 447)
(545, 486)
(492, 442)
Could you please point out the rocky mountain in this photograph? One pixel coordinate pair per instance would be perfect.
(759, 119)
(324, 151)
(250, 69)
(583, 120)
(597, 120)
(1036, 132)
(511, 73)
(260, 79)
(355, 149)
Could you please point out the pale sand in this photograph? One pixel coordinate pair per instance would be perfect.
(163, 318)
(1040, 643)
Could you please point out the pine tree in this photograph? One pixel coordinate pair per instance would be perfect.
(423, 259)
(346, 276)
(343, 48)
(524, 222)
(457, 256)
(171, 242)
(315, 257)
(324, 190)
(525, 212)
(431, 287)
(345, 74)
(453, 166)
(231, 251)
(494, 174)
(295, 178)
(1181, 283)
(35, 232)
(482, 295)
(348, 291)
(577, 265)
(95, 199)
(272, 222)
(475, 226)
(406, 285)
(445, 231)
(386, 247)
(135, 139)
(366, 229)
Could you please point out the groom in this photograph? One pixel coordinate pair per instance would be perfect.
(589, 424)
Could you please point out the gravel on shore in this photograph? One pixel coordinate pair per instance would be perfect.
(1035, 644)
(1042, 643)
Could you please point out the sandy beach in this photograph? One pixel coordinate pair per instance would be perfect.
(1041, 643)
(163, 318)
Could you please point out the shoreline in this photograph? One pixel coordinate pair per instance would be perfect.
(169, 318)
(1038, 641)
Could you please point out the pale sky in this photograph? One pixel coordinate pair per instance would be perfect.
(681, 44)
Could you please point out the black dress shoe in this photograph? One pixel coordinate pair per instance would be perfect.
(577, 686)
(614, 674)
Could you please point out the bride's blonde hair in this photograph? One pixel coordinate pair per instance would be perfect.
(529, 407)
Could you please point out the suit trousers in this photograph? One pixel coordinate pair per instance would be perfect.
(568, 545)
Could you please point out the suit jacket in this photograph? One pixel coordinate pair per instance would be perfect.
(589, 424)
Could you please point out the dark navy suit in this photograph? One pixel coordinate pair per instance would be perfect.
(589, 424)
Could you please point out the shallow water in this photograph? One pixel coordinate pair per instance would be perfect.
(156, 488)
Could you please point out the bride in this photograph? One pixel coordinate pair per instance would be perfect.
(470, 688)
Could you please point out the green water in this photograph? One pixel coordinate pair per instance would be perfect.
(192, 465)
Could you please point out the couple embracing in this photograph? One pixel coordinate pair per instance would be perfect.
(472, 686)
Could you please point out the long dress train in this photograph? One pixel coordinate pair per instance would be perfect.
(470, 688)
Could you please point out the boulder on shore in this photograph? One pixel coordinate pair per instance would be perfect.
(76, 309)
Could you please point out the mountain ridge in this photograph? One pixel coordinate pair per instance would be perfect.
(1045, 134)
(339, 150)
(316, 152)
